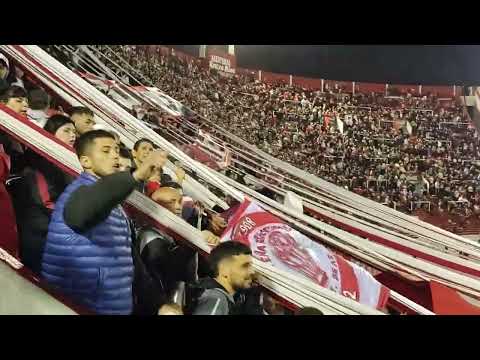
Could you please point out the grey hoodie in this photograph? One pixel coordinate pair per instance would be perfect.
(214, 301)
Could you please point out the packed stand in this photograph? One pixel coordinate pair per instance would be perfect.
(401, 150)
(74, 234)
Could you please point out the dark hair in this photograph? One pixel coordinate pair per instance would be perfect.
(138, 142)
(309, 311)
(125, 152)
(55, 122)
(80, 110)
(172, 184)
(38, 99)
(224, 251)
(13, 91)
(86, 140)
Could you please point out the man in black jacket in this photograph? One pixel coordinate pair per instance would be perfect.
(166, 261)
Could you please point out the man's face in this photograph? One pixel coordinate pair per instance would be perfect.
(170, 199)
(102, 158)
(125, 164)
(83, 123)
(18, 104)
(240, 271)
(142, 152)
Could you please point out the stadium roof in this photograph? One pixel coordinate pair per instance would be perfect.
(394, 64)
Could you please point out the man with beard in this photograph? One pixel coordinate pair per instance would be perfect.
(232, 274)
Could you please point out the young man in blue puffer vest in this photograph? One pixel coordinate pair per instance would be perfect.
(88, 251)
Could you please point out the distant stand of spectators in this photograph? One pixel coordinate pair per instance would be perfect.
(399, 150)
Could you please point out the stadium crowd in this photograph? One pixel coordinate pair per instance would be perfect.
(401, 150)
(73, 232)
(398, 150)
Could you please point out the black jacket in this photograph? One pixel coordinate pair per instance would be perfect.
(160, 264)
(12, 147)
(34, 196)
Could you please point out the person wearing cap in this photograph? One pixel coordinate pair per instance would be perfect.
(35, 194)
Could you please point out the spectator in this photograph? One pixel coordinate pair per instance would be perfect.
(9, 239)
(170, 197)
(14, 98)
(167, 261)
(88, 250)
(39, 104)
(62, 128)
(154, 183)
(141, 150)
(4, 67)
(369, 157)
(36, 193)
(125, 160)
(83, 118)
(232, 271)
(10, 151)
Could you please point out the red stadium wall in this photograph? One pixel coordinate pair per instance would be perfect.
(367, 88)
(307, 83)
(316, 84)
(273, 78)
(440, 91)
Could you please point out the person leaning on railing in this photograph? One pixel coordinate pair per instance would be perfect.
(36, 193)
(88, 250)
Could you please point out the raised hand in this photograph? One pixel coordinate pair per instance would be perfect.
(154, 161)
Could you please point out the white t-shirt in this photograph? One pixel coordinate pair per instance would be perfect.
(37, 116)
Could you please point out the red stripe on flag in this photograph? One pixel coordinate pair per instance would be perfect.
(383, 297)
(348, 279)
(233, 221)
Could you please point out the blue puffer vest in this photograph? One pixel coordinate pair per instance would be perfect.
(94, 268)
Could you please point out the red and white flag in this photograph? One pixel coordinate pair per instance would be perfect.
(273, 241)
